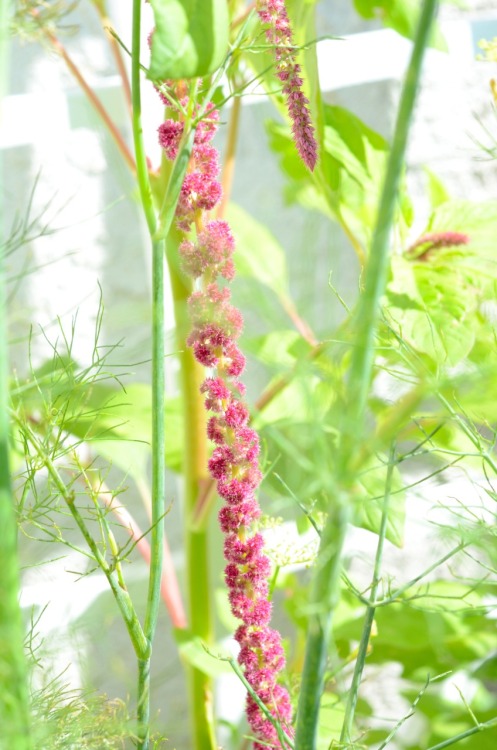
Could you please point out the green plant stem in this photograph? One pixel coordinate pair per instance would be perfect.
(196, 541)
(325, 594)
(158, 391)
(370, 612)
(140, 155)
(402, 589)
(230, 156)
(284, 739)
(14, 695)
(464, 735)
(361, 367)
(158, 440)
(325, 588)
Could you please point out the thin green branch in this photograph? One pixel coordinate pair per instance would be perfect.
(405, 587)
(130, 617)
(158, 389)
(464, 735)
(140, 155)
(353, 694)
(284, 739)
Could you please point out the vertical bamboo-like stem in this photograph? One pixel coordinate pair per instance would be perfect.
(158, 391)
(327, 574)
(196, 540)
(14, 698)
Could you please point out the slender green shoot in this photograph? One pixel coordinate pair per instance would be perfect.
(140, 643)
(158, 389)
(353, 694)
(464, 735)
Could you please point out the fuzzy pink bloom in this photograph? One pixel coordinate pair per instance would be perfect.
(170, 133)
(234, 463)
(211, 307)
(235, 490)
(274, 17)
(253, 611)
(232, 517)
(217, 391)
(434, 240)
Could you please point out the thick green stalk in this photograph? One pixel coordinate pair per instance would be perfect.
(14, 696)
(361, 366)
(196, 540)
(324, 592)
(324, 597)
(158, 391)
(370, 613)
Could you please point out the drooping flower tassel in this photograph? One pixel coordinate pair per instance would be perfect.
(216, 326)
(274, 17)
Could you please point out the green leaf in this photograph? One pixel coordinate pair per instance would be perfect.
(436, 189)
(369, 493)
(437, 299)
(352, 159)
(431, 642)
(190, 38)
(192, 651)
(400, 15)
(433, 310)
(278, 349)
(258, 254)
(304, 400)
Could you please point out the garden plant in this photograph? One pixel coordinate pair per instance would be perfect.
(356, 420)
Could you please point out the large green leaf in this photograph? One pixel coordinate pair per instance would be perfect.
(278, 349)
(436, 300)
(190, 38)
(432, 642)
(347, 181)
(400, 15)
(258, 253)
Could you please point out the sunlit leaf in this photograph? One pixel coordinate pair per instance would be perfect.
(190, 38)
(258, 254)
(400, 15)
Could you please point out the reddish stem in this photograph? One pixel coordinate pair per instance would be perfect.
(229, 160)
(116, 52)
(243, 16)
(94, 100)
(170, 592)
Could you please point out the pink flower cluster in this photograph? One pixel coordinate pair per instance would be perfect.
(274, 17)
(216, 326)
(434, 240)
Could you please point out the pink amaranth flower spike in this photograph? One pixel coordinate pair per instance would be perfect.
(207, 255)
(435, 240)
(274, 17)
